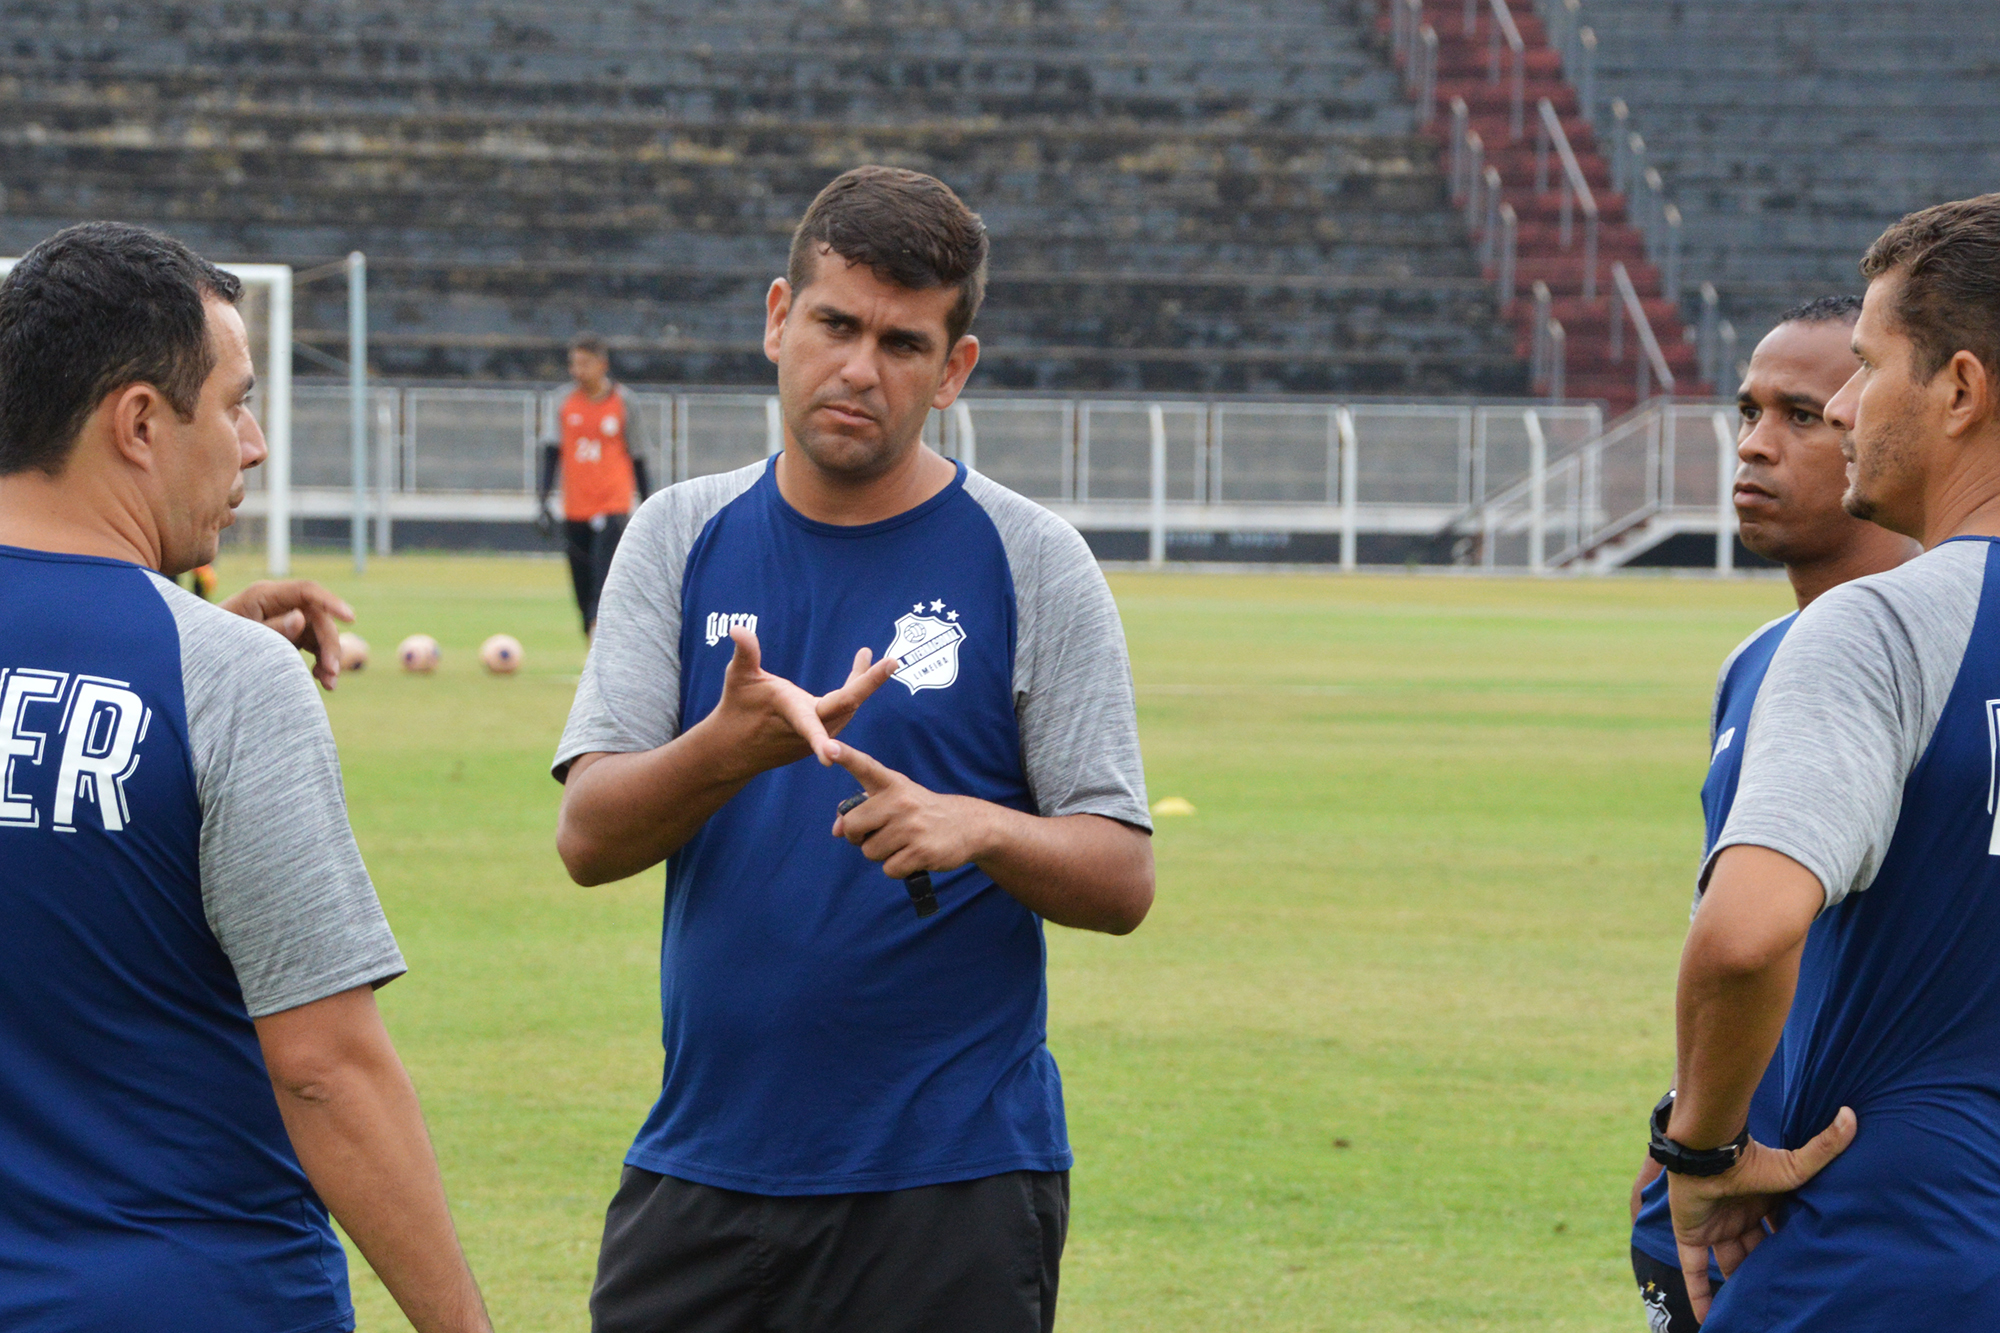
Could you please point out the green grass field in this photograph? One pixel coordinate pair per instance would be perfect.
(1378, 1060)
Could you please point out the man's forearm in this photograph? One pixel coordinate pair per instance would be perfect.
(624, 813)
(1729, 1024)
(1084, 871)
(1738, 972)
(354, 1122)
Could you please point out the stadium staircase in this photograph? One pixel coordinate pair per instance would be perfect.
(1224, 197)
(1475, 96)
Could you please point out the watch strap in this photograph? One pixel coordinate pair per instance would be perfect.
(1685, 1161)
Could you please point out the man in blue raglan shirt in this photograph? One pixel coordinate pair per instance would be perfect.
(1852, 902)
(1789, 479)
(860, 1126)
(193, 1073)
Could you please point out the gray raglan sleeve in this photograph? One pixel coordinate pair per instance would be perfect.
(1848, 704)
(282, 882)
(629, 698)
(1073, 694)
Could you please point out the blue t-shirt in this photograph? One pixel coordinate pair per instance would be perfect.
(820, 1037)
(1735, 696)
(168, 867)
(1872, 763)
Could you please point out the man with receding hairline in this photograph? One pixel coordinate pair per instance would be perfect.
(1790, 476)
(1852, 902)
(193, 1072)
(860, 1126)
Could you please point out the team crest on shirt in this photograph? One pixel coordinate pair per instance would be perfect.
(927, 641)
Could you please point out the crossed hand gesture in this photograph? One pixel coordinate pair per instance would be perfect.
(777, 722)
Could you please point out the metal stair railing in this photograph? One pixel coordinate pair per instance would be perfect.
(1415, 44)
(1650, 209)
(1574, 188)
(1610, 487)
(1548, 357)
(1576, 43)
(1505, 29)
(1651, 359)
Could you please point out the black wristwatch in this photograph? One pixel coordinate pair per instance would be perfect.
(1685, 1161)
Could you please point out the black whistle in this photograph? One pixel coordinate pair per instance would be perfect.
(922, 896)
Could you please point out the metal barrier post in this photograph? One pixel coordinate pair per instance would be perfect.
(1705, 339)
(387, 445)
(1460, 118)
(1725, 500)
(1586, 83)
(1350, 477)
(1475, 177)
(357, 401)
(1670, 270)
(1621, 143)
(1558, 362)
(968, 439)
(1156, 543)
(1489, 238)
(1510, 246)
(1427, 84)
(774, 427)
(1538, 472)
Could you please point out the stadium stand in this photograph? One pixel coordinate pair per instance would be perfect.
(1217, 198)
(1493, 80)
(1790, 133)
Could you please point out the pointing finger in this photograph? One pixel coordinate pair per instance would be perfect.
(872, 775)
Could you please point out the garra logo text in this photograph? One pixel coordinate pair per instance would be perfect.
(721, 622)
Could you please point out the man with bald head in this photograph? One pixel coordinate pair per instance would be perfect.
(1790, 476)
(193, 1073)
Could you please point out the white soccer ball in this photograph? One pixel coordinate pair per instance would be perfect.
(501, 654)
(418, 653)
(353, 652)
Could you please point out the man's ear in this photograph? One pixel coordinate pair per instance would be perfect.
(958, 364)
(777, 308)
(1968, 392)
(134, 416)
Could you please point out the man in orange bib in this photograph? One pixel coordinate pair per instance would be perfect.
(602, 459)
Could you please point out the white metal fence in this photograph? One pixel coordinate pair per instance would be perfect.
(1155, 466)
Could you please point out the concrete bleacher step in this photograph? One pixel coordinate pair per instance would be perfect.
(1228, 196)
(1790, 133)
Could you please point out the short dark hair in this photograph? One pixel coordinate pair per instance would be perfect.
(591, 343)
(908, 228)
(92, 309)
(1842, 309)
(1949, 256)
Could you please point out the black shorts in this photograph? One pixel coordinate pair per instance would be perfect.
(591, 545)
(974, 1256)
(1663, 1291)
